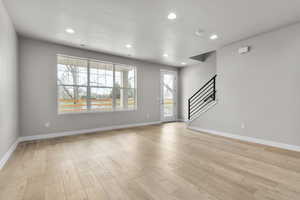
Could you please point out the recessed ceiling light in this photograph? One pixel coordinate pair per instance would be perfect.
(166, 55)
(128, 46)
(183, 63)
(69, 30)
(172, 16)
(214, 37)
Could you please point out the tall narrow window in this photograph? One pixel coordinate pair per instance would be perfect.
(89, 85)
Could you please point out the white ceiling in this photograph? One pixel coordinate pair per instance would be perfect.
(108, 25)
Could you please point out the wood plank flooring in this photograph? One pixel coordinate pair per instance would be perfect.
(159, 162)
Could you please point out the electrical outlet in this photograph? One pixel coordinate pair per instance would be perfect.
(47, 124)
(243, 125)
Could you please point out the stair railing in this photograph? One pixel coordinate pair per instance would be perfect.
(200, 99)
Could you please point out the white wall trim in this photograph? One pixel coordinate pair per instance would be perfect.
(7, 155)
(248, 139)
(13, 147)
(83, 131)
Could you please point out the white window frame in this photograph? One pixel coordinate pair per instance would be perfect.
(175, 115)
(88, 88)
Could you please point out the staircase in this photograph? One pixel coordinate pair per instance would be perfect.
(202, 100)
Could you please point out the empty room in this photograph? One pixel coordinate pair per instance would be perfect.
(149, 100)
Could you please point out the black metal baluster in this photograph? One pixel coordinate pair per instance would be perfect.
(201, 98)
(189, 109)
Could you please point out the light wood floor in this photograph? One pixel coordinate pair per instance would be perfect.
(155, 162)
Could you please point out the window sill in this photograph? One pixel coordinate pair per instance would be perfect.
(97, 112)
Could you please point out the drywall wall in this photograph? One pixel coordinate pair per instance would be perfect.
(191, 79)
(258, 92)
(8, 82)
(39, 92)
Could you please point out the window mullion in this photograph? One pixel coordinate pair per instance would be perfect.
(113, 89)
(88, 99)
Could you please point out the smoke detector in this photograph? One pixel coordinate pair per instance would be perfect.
(199, 32)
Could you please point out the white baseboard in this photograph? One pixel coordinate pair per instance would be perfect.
(83, 131)
(248, 139)
(7, 155)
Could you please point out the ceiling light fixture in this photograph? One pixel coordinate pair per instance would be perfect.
(166, 55)
(172, 16)
(70, 31)
(128, 46)
(214, 37)
(183, 63)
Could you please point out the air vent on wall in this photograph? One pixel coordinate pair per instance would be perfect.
(202, 57)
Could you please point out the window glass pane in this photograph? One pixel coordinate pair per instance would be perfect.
(101, 99)
(71, 71)
(101, 74)
(124, 76)
(131, 78)
(168, 94)
(72, 99)
(169, 81)
(125, 98)
(119, 95)
(168, 108)
(131, 98)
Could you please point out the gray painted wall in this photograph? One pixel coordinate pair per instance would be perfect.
(191, 79)
(38, 91)
(259, 89)
(8, 82)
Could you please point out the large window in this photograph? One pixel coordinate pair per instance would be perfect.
(89, 85)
